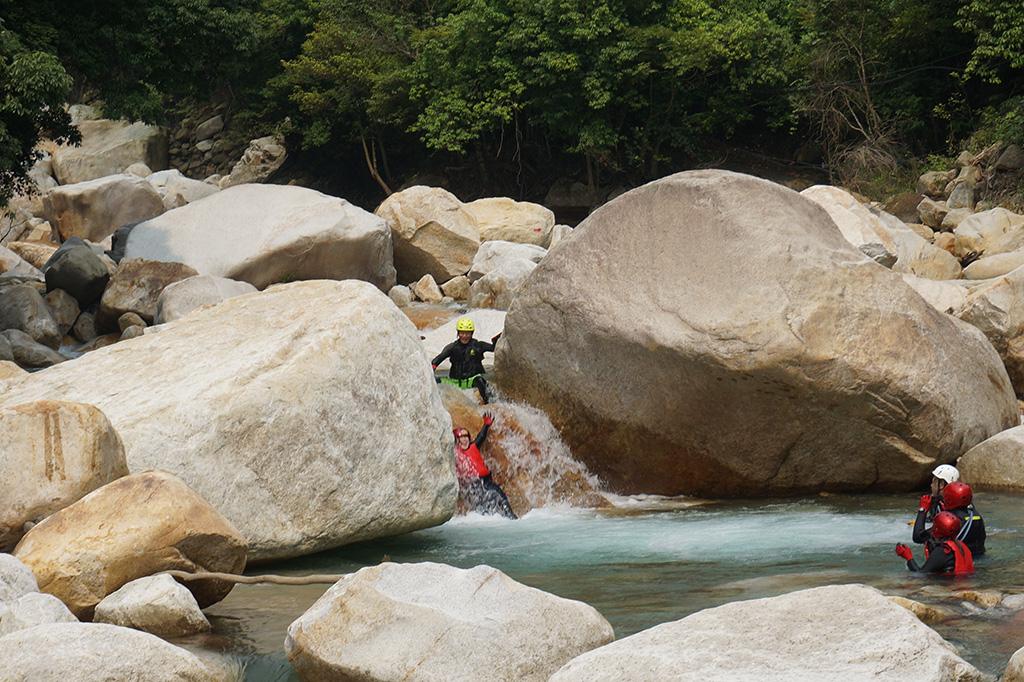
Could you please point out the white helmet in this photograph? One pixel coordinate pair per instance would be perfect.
(947, 473)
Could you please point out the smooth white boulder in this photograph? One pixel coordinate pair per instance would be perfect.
(296, 388)
(266, 234)
(52, 453)
(997, 309)
(943, 296)
(989, 232)
(156, 604)
(994, 266)
(30, 610)
(177, 190)
(508, 220)
(997, 462)
(741, 334)
(430, 621)
(180, 298)
(836, 633)
(493, 255)
(62, 652)
(107, 148)
(497, 288)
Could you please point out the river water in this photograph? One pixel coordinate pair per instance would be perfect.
(652, 560)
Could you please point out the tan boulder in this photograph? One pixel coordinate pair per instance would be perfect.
(133, 527)
(136, 287)
(267, 234)
(997, 462)
(457, 288)
(744, 330)
(452, 623)
(108, 147)
(997, 309)
(945, 297)
(433, 233)
(11, 263)
(94, 209)
(926, 613)
(53, 453)
(426, 290)
(297, 385)
(1015, 668)
(954, 217)
(35, 253)
(997, 265)
(737, 641)
(933, 183)
(501, 218)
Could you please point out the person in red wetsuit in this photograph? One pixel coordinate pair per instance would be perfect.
(475, 483)
(943, 552)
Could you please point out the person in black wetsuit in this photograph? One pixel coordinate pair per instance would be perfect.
(467, 358)
(943, 475)
(957, 498)
(476, 486)
(943, 552)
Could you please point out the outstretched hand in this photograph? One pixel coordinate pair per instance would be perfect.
(433, 366)
(904, 551)
(488, 418)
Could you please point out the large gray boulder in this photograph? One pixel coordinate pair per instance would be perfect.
(430, 621)
(96, 651)
(180, 298)
(52, 454)
(265, 234)
(433, 233)
(711, 333)
(77, 269)
(108, 147)
(997, 462)
(22, 307)
(835, 633)
(293, 388)
(94, 209)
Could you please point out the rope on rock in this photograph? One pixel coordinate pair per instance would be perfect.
(256, 579)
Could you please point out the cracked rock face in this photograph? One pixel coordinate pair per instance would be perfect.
(712, 333)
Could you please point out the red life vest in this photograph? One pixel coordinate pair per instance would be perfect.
(469, 464)
(963, 560)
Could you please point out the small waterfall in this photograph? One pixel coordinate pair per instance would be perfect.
(529, 456)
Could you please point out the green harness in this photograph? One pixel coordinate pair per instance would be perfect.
(461, 383)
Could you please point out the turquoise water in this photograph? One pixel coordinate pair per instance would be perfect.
(651, 560)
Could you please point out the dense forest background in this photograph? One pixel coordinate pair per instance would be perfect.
(512, 97)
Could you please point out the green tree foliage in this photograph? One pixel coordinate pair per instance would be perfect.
(33, 88)
(998, 29)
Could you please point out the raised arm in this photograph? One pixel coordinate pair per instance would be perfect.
(445, 352)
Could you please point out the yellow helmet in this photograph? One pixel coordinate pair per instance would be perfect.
(464, 325)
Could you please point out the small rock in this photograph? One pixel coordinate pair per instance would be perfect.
(136, 287)
(63, 308)
(994, 266)
(23, 308)
(558, 233)
(496, 288)
(879, 254)
(13, 264)
(31, 610)
(35, 253)
(932, 212)
(78, 270)
(259, 162)
(962, 196)
(904, 206)
(922, 231)
(130, 320)
(929, 615)
(954, 217)
(84, 328)
(132, 332)
(139, 169)
(426, 290)
(934, 183)
(16, 579)
(204, 145)
(401, 295)
(156, 604)
(946, 241)
(209, 128)
(456, 288)
(28, 353)
(986, 598)
(1011, 159)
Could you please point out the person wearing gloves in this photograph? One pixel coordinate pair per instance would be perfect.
(467, 358)
(476, 486)
(944, 554)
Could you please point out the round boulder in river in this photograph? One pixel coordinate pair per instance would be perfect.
(712, 333)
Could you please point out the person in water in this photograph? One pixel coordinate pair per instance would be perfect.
(957, 498)
(943, 475)
(467, 358)
(475, 483)
(943, 552)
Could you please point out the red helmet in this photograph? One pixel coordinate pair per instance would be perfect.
(946, 525)
(956, 495)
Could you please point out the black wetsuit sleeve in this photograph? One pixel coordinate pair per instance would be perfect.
(445, 352)
(920, 535)
(938, 561)
(482, 436)
(485, 347)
